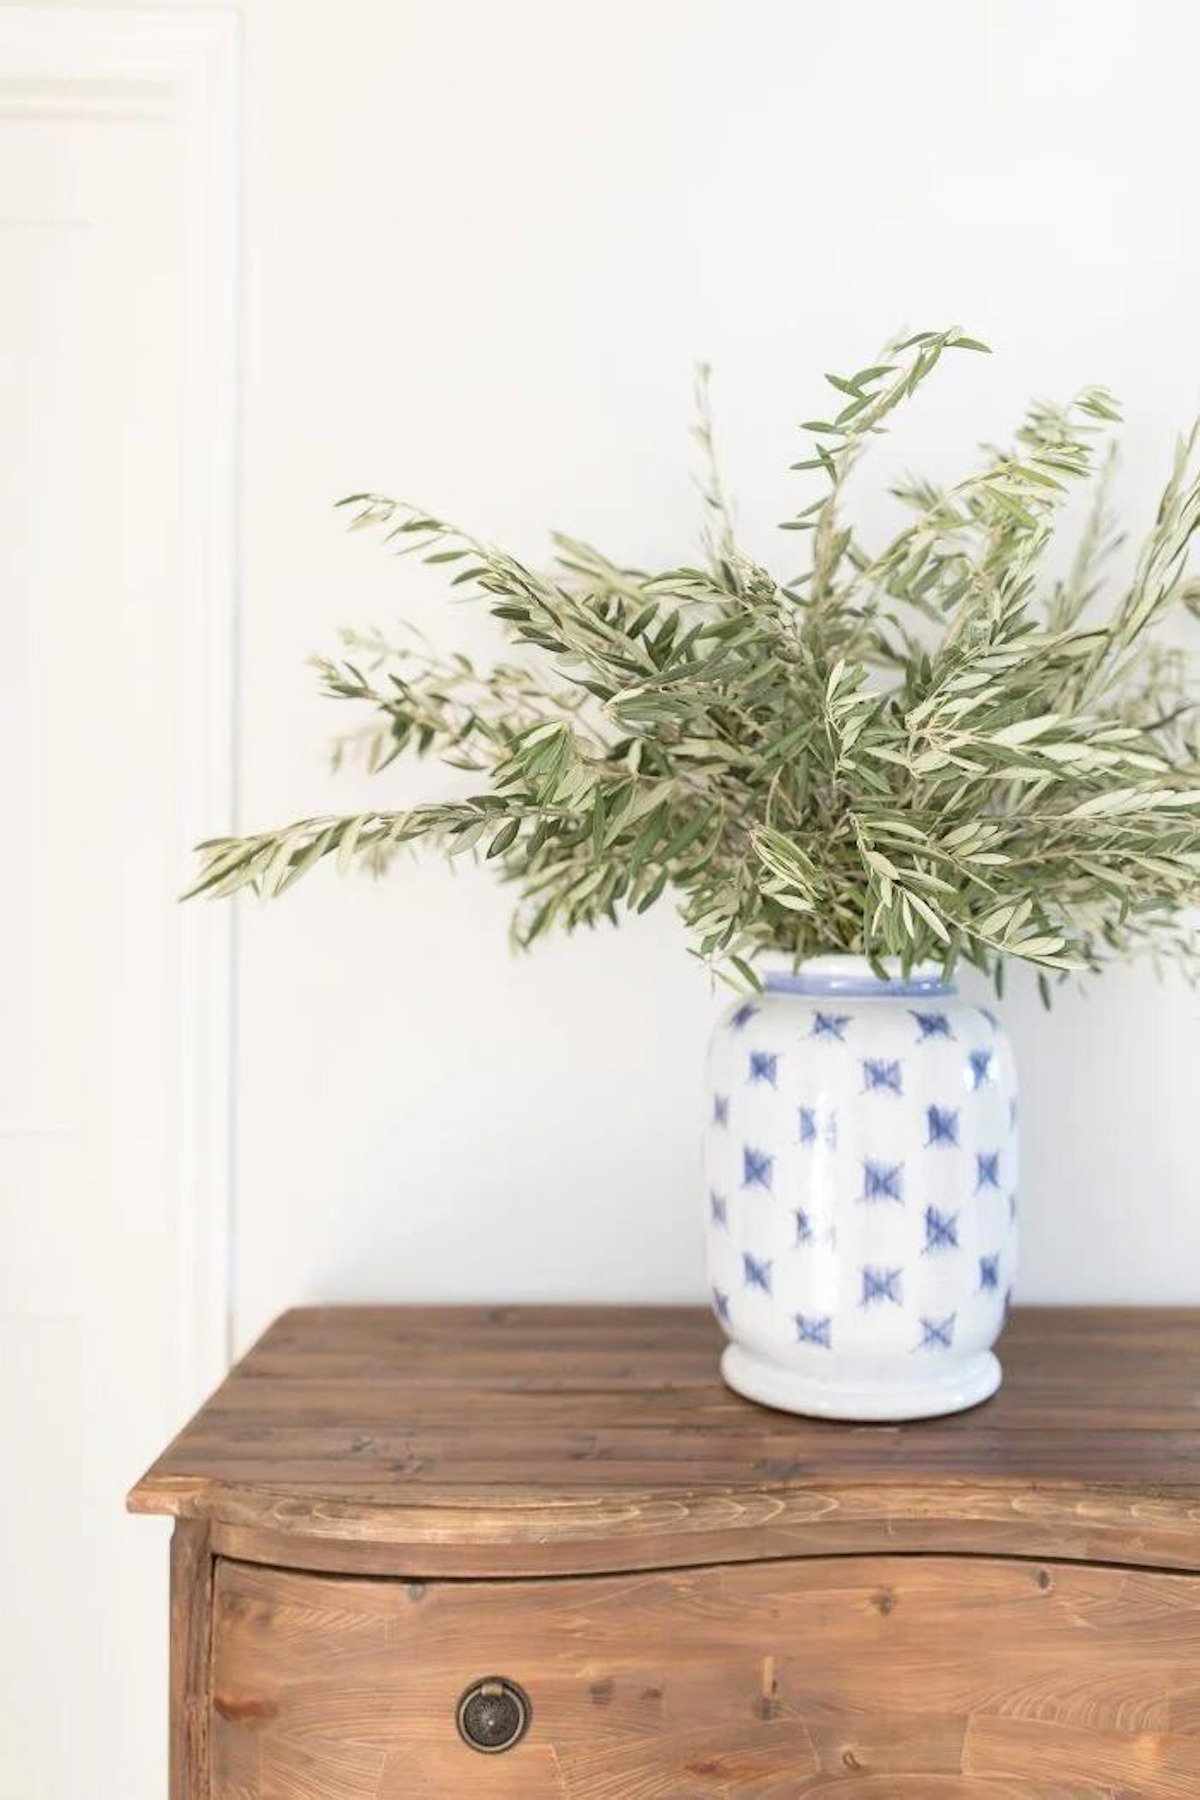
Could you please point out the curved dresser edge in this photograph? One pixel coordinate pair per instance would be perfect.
(513, 1534)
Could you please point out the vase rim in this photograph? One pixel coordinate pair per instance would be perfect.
(850, 976)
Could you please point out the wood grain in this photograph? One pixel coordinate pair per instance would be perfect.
(525, 1440)
(191, 1648)
(883, 1677)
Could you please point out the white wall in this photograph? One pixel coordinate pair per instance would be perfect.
(486, 245)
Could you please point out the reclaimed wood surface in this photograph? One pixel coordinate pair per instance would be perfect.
(192, 1571)
(885, 1678)
(524, 1440)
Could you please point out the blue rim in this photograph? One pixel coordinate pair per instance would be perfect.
(857, 987)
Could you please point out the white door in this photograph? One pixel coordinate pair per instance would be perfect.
(114, 389)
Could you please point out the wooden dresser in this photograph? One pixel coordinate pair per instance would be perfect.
(533, 1552)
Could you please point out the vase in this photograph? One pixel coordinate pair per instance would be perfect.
(861, 1174)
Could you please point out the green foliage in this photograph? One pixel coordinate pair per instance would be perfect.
(927, 750)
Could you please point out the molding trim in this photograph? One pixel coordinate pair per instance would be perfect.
(183, 64)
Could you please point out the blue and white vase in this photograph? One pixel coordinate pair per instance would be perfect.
(861, 1166)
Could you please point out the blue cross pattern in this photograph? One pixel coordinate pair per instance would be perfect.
(756, 1274)
(743, 1016)
(764, 1066)
(810, 1127)
(758, 1168)
(720, 1109)
(987, 1169)
(881, 1284)
(980, 1064)
(941, 1125)
(721, 1305)
(804, 1230)
(937, 1334)
(881, 1077)
(941, 1229)
(718, 1208)
(882, 1181)
(811, 1330)
(932, 1025)
(830, 1025)
(989, 1271)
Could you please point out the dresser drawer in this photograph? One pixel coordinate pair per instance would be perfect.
(893, 1678)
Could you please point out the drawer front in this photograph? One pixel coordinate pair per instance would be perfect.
(890, 1678)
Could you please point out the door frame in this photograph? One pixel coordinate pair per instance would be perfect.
(116, 64)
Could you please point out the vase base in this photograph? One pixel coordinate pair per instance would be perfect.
(965, 1383)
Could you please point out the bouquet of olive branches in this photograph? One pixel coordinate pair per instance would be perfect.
(927, 750)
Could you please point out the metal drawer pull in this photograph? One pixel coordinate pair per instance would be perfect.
(493, 1715)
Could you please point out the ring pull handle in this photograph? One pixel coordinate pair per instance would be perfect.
(493, 1715)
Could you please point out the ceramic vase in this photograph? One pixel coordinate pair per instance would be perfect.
(861, 1168)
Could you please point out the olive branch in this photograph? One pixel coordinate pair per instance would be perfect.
(925, 751)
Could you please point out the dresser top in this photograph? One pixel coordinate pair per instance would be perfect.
(526, 1440)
